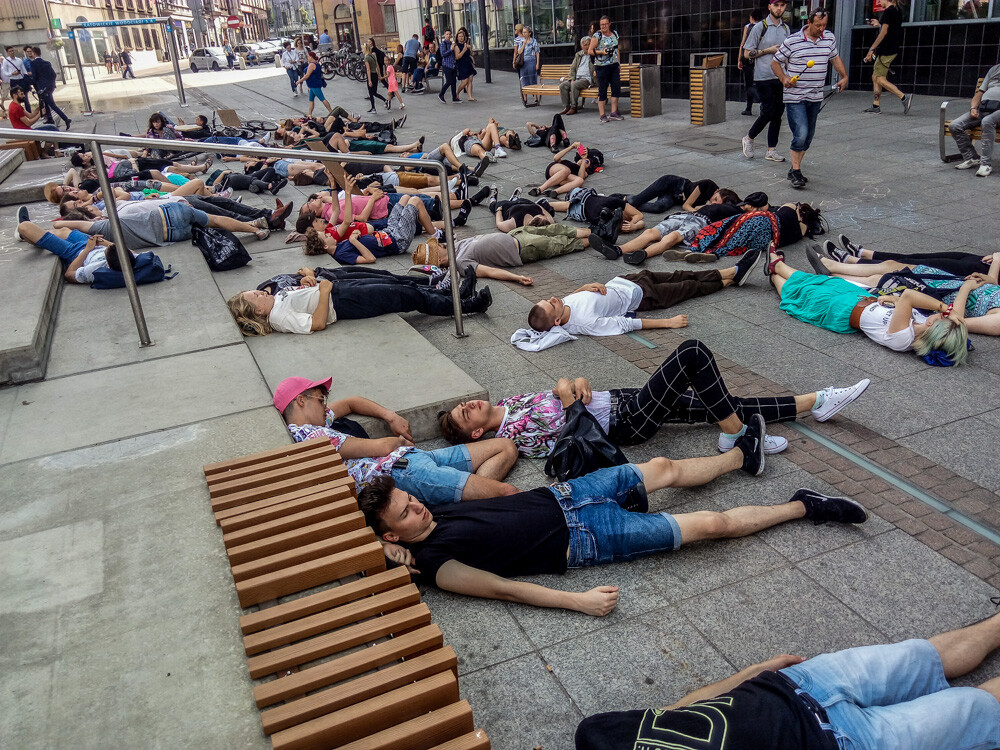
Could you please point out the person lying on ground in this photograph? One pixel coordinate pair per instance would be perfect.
(956, 263)
(446, 475)
(157, 223)
(140, 167)
(476, 548)
(373, 204)
(671, 190)
(586, 204)
(321, 297)
(894, 321)
(868, 698)
(488, 143)
(562, 175)
(57, 194)
(982, 307)
(81, 255)
(687, 388)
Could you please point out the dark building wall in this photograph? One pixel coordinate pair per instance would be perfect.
(939, 59)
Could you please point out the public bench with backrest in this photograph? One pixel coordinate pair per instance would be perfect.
(944, 131)
(549, 78)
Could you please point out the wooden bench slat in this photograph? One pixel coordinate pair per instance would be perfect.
(332, 643)
(304, 447)
(339, 493)
(303, 554)
(307, 575)
(289, 540)
(274, 482)
(417, 734)
(405, 646)
(474, 740)
(323, 622)
(331, 511)
(355, 691)
(327, 452)
(323, 600)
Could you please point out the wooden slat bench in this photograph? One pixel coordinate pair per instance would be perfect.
(31, 150)
(353, 658)
(944, 131)
(552, 74)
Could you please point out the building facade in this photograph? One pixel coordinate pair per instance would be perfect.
(359, 20)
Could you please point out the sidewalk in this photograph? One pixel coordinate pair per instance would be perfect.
(116, 603)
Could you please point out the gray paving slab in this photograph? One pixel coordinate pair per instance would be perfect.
(73, 412)
(889, 579)
(790, 616)
(967, 445)
(647, 661)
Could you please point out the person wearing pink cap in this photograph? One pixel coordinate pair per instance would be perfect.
(446, 475)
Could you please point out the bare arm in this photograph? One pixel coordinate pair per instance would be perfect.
(505, 225)
(692, 199)
(731, 683)
(368, 408)
(361, 448)
(565, 152)
(838, 65)
(463, 579)
(80, 259)
(80, 226)
(322, 312)
(501, 274)
(365, 253)
(370, 206)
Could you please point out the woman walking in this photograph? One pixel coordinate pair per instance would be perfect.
(532, 52)
(312, 76)
(301, 61)
(393, 84)
(465, 65)
(371, 69)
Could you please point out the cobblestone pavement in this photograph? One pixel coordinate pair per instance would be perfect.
(700, 614)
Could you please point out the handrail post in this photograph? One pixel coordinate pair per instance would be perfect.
(119, 237)
(175, 56)
(87, 108)
(449, 238)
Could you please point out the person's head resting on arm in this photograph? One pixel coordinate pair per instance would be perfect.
(394, 515)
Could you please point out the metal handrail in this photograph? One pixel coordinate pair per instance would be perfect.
(94, 142)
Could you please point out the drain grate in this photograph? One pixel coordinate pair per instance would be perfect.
(710, 144)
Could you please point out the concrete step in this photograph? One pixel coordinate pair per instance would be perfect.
(10, 160)
(23, 184)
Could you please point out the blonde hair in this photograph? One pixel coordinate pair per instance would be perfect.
(366, 48)
(950, 336)
(250, 322)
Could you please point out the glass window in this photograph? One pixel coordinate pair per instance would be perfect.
(389, 18)
(952, 10)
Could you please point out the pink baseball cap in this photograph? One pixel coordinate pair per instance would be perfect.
(289, 388)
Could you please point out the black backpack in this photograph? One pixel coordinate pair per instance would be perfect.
(222, 249)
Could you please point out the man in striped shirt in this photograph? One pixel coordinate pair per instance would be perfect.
(801, 64)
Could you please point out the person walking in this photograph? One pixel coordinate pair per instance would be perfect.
(803, 84)
(289, 61)
(411, 53)
(13, 74)
(126, 59)
(604, 49)
(883, 51)
(465, 65)
(447, 54)
(371, 70)
(746, 66)
(312, 76)
(393, 83)
(108, 62)
(762, 42)
(427, 32)
(301, 61)
(531, 52)
(45, 85)
(227, 50)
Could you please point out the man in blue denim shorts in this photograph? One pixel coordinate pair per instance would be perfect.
(474, 548)
(871, 698)
(447, 475)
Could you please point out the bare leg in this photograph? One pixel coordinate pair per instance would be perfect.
(557, 175)
(233, 225)
(31, 232)
(987, 325)
(186, 169)
(193, 187)
(688, 472)
(422, 216)
(415, 146)
(864, 269)
(329, 109)
(666, 242)
(737, 522)
(963, 650)
(449, 154)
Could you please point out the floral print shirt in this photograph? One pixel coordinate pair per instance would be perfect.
(362, 470)
(534, 420)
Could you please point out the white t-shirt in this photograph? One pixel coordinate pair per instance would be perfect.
(293, 310)
(97, 259)
(594, 314)
(874, 324)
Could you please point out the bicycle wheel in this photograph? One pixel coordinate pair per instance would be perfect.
(358, 70)
(264, 126)
(328, 66)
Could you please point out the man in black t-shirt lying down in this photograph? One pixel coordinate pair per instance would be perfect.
(871, 698)
(473, 547)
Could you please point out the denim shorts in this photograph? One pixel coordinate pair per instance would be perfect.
(600, 530)
(897, 698)
(67, 249)
(435, 477)
(802, 121)
(180, 218)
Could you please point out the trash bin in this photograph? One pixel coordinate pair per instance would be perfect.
(649, 87)
(708, 88)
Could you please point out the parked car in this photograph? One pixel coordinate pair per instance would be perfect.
(266, 52)
(208, 58)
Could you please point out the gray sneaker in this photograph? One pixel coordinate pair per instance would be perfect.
(873, 110)
(907, 102)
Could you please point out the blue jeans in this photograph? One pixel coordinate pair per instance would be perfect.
(802, 120)
(67, 249)
(600, 530)
(293, 77)
(229, 140)
(180, 218)
(435, 477)
(897, 698)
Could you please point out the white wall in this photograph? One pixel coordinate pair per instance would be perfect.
(408, 19)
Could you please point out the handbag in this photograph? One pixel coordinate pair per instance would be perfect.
(582, 446)
(222, 249)
(518, 60)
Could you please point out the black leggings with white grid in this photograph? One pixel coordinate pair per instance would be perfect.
(687, 388)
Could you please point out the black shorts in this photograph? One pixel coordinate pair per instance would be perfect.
(409, 64)
(593, 206)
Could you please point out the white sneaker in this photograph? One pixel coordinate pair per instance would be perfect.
(837, 398)
(499, 152)
(772, 443)
(773, 155)
(748, 147)
(968, 164)
(984, 171)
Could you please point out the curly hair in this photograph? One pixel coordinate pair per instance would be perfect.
(950, 336)
(314, 243)
(250, 322)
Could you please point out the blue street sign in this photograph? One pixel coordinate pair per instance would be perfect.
(71, 34)
(119, 22)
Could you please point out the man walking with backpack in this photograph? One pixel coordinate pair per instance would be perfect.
(762, 42)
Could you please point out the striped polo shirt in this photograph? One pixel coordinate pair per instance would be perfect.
(794, 55)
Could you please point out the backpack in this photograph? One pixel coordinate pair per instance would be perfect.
(148, 270)
(222, 249)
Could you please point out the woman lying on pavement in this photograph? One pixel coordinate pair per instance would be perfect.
(957, 263)
(982, 307)
(313, 299)
(562, 175)
(671, 190)
(57, 194)
(125, 167)
(893, 321)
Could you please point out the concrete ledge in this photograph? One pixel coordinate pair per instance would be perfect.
(24, 183)
(34, 279)
(9, 161)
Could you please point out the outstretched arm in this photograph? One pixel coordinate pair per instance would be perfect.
(730, 683)
(368, 408)
(463, 579)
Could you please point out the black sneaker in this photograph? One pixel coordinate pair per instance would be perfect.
(849, 246)
(636, 500)
(463, 214)
(468, 287)
(822, 508)
(792, 172)
(481, 167)
(479, 196)
(22, 214)
(745, 266)
(751, 445)
(462, 188)
(635, 258)
(835, 253)
(611, 252)
(478, 303)
(798, 179)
